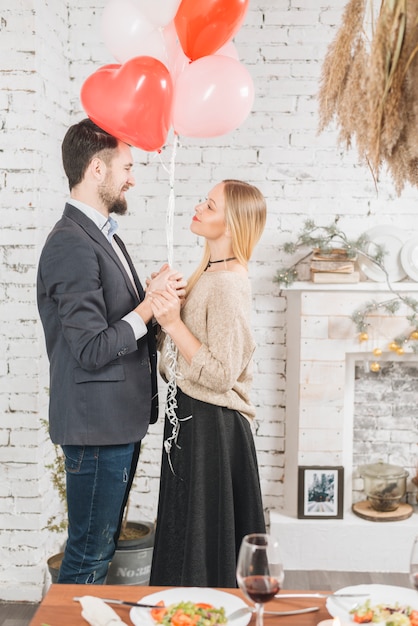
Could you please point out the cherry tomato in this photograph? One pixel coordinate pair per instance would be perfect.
(181, 619)
(364, 618)
(158, 614)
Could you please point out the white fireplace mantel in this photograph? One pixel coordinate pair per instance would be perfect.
(368, 286)
(322, 349)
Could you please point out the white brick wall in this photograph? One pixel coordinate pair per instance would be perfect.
(48, 50)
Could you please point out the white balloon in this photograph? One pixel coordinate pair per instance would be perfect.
(127, 33)
(158, 12)
(172, 43)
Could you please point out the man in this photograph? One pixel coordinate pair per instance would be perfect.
(101, 348)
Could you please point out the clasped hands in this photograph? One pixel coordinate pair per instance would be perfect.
(165, 291)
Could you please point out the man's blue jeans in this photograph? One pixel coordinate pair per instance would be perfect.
(98, 480)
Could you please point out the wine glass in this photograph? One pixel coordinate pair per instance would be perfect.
(413, 564)
(260, 571)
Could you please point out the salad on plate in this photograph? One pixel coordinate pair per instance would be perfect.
(385, 614)
(188, 614)
(387, 605)
(190, 606)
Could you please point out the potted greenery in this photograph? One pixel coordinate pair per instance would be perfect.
(131, 564)
(326, 242)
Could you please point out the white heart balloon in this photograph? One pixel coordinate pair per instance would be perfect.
(158, 12)
(127, 33)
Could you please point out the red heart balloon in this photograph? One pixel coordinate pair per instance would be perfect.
(131, 101)
(204, 26)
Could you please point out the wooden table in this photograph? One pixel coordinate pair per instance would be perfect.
(59, 609)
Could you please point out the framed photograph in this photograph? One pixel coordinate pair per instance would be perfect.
(320, 492)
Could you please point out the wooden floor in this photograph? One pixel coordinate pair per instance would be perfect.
(19, 614)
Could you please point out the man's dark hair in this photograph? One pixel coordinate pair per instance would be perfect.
(81, 143)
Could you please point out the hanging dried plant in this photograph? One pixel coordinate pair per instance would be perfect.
(371, 88)
(338, 61)
(353, 112)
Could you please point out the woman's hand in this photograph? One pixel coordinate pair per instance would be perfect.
(160, 281)
(166, 306)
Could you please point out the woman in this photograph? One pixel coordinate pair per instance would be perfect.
(210, 493)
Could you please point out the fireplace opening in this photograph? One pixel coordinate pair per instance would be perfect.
(385, 421)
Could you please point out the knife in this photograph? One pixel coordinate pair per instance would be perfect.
(125, 603)
(331, 594)
(241, 612)
(309, 609)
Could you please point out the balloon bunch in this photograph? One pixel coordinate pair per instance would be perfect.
(176, 66)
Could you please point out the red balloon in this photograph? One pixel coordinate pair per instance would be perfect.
(204, 26)
(131, 101)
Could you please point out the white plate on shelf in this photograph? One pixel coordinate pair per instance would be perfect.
(409, 258)
(142, 617)
(377, 594)
(392, 240)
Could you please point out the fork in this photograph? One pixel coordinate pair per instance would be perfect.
(124, 603)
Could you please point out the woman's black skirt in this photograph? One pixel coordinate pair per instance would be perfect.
(209, 497)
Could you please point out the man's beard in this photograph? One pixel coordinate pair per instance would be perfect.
(119, 207)
(113, 204)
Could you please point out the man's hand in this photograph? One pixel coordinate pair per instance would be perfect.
(165, 277)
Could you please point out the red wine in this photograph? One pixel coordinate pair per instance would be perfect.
(261, 588)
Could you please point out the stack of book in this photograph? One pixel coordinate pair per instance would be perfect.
(334, 266)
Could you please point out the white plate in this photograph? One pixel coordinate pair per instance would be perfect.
(142, 617)
(377, 595)
(392, 240)
(409, 258)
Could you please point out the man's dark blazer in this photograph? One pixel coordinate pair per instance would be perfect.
(103, 385)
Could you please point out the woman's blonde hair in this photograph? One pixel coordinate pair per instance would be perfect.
(245, 218)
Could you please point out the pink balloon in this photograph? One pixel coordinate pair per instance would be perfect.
(212, 96)
(180, 61)
(228, 50)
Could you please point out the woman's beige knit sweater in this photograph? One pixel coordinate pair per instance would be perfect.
(217, 311)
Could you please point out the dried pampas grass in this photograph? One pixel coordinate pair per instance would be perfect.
(338, 61)
(371, 87)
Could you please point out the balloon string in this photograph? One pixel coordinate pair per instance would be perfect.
(170, 347)
(171, 203)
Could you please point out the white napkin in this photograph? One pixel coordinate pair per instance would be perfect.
(98, 613)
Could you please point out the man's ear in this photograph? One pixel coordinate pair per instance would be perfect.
(97, 168)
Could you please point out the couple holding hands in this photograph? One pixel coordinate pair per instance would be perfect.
(102, 330)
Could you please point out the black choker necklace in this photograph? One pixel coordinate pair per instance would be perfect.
(231, 258)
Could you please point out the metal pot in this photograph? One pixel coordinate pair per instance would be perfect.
(131, 564)
(384, 484)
